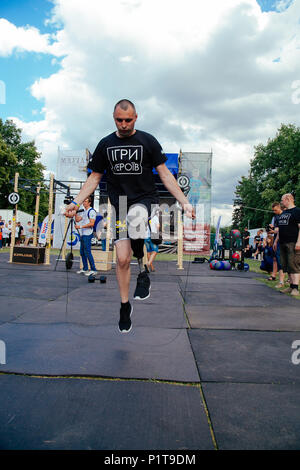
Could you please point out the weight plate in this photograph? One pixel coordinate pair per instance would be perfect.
(69, 260)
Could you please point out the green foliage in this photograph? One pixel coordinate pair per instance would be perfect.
(274, 171)
(22, 158)
(8, 163)
(10, 133)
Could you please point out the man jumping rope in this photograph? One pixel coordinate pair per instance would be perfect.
(128, 157)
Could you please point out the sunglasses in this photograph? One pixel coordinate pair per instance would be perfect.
(126, 120)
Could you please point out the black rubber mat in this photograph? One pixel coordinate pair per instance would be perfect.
(199, 282)
(270, 318)
(73, 414)
(56, 324)
(235, 296)
(150, 313)
(245, 356)
(13, 308)
(60, 349)
(254, 416)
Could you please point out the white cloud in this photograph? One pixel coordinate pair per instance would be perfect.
(281, 5)
(46, 136)
(224, 211)
(202, 76)
(25, 38)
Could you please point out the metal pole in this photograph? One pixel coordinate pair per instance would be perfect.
(180, 241)
(50, 210)
(63, 255)
(13, 230)
(36, 214)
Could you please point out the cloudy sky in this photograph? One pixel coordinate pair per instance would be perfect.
(218, 75)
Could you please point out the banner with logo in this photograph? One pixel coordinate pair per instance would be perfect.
(43, 231)
(71, 170)
(195, 181)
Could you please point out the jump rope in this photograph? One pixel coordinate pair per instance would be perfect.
(127, 336)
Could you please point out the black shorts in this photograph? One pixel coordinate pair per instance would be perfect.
(130, 220)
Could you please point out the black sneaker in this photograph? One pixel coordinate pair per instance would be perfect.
(125, 321)
(142, 290)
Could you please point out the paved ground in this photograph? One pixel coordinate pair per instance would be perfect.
(208, 365)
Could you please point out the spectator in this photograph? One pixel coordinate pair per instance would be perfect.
(1, 233)
(85, 224)
(289, 239)
(151, 247)
(5, 235)
(19, 233)
(258, 241)
(16, 233)
(277, 210)
(248, 251)
(220, 247)
(9, 228)
(103, 230)
(268, 255)
(246, 236)
(28, 233)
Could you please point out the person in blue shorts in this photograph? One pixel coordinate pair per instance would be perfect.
(151, 247)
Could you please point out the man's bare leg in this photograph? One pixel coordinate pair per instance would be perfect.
(124, 253)
(151, 259)
(295, 283)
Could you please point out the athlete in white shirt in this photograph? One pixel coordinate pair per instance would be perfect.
(85, 224)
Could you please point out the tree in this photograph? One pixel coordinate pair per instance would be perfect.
(8, 164)
(23, 158)
(274, 171)
(10, 133)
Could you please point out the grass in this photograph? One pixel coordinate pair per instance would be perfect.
(159, 257)
(53, 251)
(254, 267)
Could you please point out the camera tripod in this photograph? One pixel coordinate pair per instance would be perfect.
(69, 258)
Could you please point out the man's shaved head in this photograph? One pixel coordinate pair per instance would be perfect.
(124, 104)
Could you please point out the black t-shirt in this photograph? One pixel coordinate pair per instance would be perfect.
(275, 220)
(128, 163)
(257, 239)
(288, 225)
(248, 252)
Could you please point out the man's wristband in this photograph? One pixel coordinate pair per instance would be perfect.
(76, 203)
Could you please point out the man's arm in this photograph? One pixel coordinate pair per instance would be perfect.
(172, 186)
(90, 224)
(87, 189)
(276, 231)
